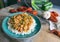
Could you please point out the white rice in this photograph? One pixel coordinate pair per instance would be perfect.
(32, 28)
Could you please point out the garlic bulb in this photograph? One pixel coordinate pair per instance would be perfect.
(46, 14)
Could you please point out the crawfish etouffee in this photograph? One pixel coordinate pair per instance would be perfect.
(22, 22)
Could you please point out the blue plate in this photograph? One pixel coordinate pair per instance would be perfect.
(11, 34)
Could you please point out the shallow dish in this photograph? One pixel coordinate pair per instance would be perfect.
(13, 35)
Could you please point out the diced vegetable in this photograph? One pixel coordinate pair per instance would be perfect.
(34, 12)
(13, 10)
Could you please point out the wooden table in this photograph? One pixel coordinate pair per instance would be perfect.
(42, 36)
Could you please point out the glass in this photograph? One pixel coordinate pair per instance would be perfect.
(5, 2)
